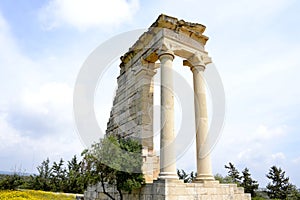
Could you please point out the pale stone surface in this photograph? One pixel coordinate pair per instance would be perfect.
(132, 113)
(167, 136)
(204, 171)
(177, 190)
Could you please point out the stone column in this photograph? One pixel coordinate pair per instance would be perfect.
(167, 146)
(204, 171)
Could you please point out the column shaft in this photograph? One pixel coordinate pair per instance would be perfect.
(167, 146)
(204, 171)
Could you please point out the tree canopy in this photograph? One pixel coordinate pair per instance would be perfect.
(233, 173)
(279, 187)
(248, 183)
(116, 161)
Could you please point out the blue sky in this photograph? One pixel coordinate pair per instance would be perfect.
(254, 44)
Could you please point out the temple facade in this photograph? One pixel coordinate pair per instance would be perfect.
(132, 112)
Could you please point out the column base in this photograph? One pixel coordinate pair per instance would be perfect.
(204, 177)
(168, 175)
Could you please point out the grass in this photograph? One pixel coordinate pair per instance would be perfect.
(33, 195)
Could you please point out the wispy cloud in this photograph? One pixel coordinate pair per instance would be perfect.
(46, 111)
(35, 112)
(84, 14)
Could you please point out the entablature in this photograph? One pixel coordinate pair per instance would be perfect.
(184, 39)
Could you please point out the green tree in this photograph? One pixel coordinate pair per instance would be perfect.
(193, 176)
(42, 180)
(76, 176)
(294, 194)
(279, 187)
(222, 179)
(233, 173)
(248, 183)
(11, 182)
(115, 161)
(58, 177)
(186, 177)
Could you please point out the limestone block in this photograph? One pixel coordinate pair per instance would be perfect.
(92, 188)
(159, 189)
(86, 194)
(172, 190)
(99, 187)
(211, 184)
(94, 195)
(146, 189)
(177, 190)
(148, 197)
(239, 190)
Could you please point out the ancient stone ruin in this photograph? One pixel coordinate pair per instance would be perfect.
(132, 112)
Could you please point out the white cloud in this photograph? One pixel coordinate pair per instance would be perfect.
(278, 157)
(245, 9)
(6, 43)
(296, 160)
(84, 14)
(38, 125)
(258, 146)
(216, 13)
(51, 93)
(35, 113)
(264, 133)
(3, 24)
(8, 135)
(21, 151)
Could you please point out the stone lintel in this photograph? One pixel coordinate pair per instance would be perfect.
(165, 40)
(176, 29)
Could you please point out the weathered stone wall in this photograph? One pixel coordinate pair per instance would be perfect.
(132, 112)
(175, 190)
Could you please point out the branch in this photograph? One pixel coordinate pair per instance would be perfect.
(103, 187)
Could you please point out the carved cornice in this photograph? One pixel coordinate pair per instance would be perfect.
(178, 27)
(193, 30)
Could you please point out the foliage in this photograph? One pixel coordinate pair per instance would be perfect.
(42, 181)
(58, 178)
(261, 194)
(258, 198)
(248, 183)
(116, 161)
(233, 173)
(279, 187)
(33, 195)
(10, 182)
(186, 177)
(221, 179)
(76, 176)
(294, 194)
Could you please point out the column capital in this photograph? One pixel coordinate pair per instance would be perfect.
(197, 67)
(198, 61)
(162, 53)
